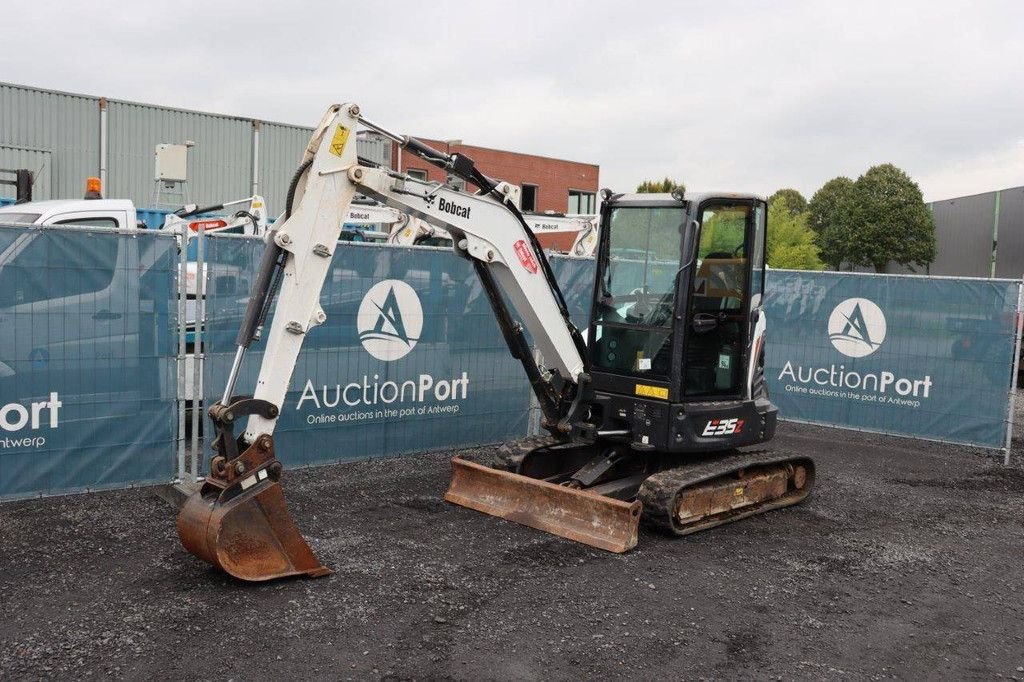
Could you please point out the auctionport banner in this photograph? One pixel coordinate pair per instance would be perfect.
(916, 356)
(410, 357)
(87, 320)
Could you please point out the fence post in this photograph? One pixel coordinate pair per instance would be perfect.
(197, 352)
(179, 373)
(1016, 368)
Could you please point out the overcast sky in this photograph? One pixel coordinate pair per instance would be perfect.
(721, 95)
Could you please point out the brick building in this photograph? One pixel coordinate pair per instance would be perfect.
(548, 184)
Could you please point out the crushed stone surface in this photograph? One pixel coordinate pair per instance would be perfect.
(906, 562)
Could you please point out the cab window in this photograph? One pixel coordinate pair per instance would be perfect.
(633, 312)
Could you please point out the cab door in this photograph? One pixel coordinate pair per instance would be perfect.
(719, 316)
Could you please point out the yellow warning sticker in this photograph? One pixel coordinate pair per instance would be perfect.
(652, 391)
(339, 140)
(739, 491)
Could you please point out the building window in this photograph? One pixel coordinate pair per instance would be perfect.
(417, 173)
(582, 202)
(456, 183)
(529, 198)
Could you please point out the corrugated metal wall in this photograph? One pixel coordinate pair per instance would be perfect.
(61, 131)
(281, 149)
(1010, 259)
(67, 126)
(963, 236)
(219, 165)
(376, 148)
(39, 162)
(964, 230)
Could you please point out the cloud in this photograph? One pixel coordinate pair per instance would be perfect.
(727, 95)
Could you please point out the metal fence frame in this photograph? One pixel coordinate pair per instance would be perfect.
(121, 233)
(1015, 364)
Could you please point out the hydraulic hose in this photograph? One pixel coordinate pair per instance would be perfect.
(268, 278)
(250, 217)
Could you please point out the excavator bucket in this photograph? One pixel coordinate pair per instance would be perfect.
(595, 520)
(239, 522)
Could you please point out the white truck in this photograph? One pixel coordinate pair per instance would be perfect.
(105, 333)
(116, 213)
(108, 333)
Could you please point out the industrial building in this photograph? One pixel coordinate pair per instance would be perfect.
(981, 235)
(63, 138)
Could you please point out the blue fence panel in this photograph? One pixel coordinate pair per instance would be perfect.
(916, 356)
(575, 277)
(953, 339)
(87, 368)
(451, 381)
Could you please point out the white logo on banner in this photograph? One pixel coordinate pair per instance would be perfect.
(856, 327)
(390, 320)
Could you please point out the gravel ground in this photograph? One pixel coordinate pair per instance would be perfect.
(908, 562)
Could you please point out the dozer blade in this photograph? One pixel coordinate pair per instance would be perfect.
(578, 515)
(239, 522)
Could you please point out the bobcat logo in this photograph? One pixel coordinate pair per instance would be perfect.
(390, 320)
(856, 327)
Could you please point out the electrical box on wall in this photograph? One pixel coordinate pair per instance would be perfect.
(172, 162)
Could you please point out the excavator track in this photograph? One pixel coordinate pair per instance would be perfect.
(697, 496)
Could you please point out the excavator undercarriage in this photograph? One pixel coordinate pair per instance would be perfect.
(674, 495)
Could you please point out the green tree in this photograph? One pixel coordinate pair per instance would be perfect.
(790, 241)
(890, 220)
(668, 185)
(830, 215)
(796, 202)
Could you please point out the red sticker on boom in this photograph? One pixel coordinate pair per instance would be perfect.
(525, 255)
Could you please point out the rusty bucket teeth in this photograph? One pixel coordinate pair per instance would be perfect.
(240, 522)
(585, 517)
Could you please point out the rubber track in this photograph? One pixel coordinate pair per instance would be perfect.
(658, 493)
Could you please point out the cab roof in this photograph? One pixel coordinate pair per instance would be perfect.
(663, 198)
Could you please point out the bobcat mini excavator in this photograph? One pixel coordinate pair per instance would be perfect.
(645, 417)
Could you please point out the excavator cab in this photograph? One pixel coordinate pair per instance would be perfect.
(674, 384)
(676, 304)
